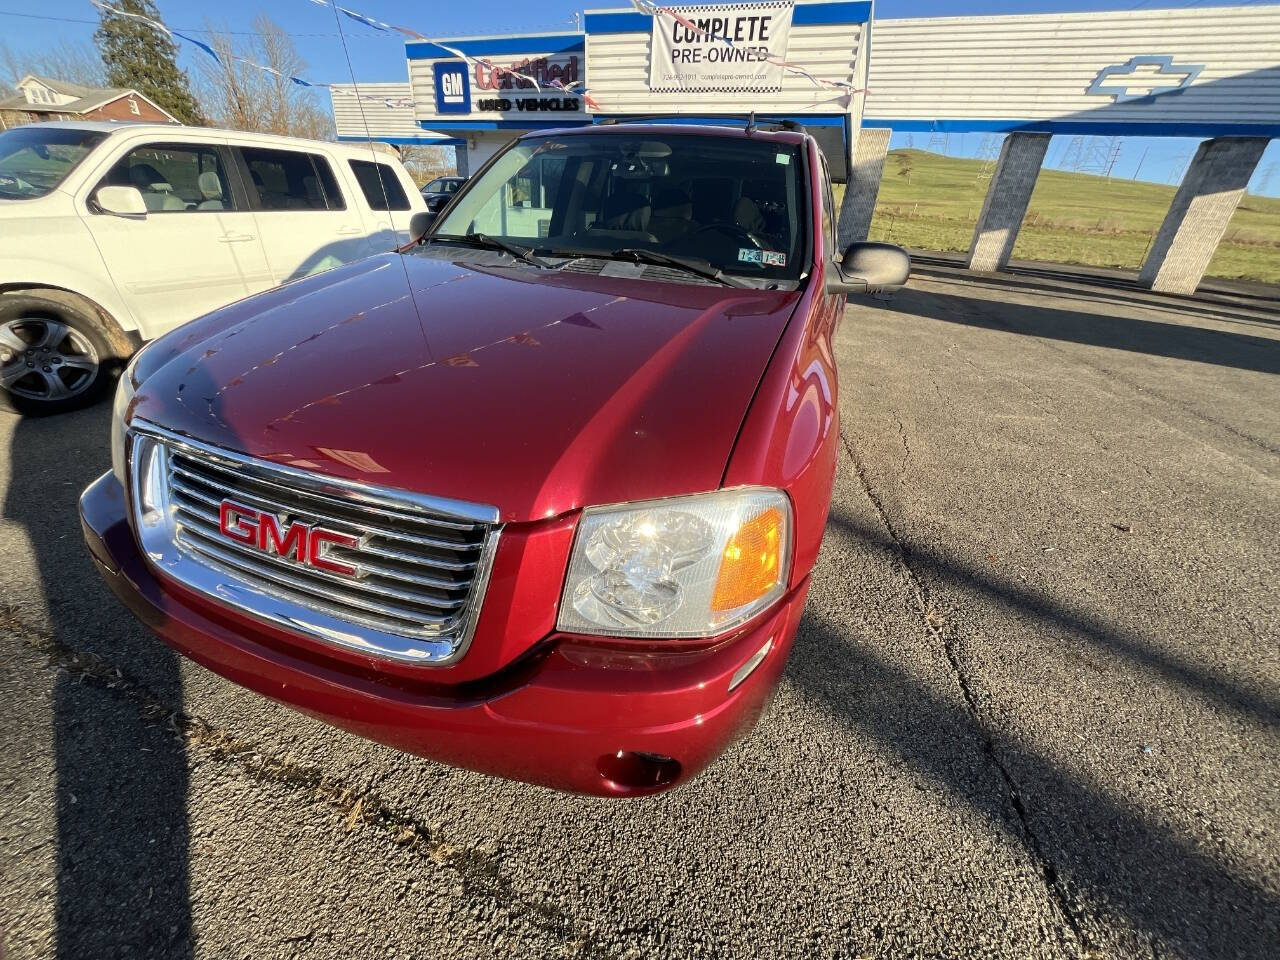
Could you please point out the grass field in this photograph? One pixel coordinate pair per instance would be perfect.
(928, 201)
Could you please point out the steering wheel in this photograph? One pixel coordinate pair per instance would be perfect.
(734, 229)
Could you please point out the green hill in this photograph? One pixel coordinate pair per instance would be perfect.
(928, 201)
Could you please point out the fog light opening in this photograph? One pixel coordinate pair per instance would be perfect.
(635, 770)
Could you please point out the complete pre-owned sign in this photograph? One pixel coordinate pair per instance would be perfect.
(721, 47)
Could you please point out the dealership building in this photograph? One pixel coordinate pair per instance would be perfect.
(1206, 72)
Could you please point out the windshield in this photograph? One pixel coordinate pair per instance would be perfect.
(732, 202)
(34, 159)
(443, 186)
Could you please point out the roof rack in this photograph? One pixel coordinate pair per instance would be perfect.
(749, 120)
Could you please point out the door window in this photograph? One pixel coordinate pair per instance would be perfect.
(291, 180)
(828, 212)
(175, 177)
(526, 203)
(380, 185)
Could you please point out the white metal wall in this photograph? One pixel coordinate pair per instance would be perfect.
(351, 113)
(618, 75)
(1039, 67)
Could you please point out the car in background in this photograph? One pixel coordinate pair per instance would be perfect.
(440, 191)
(554, 521)
(112, 234)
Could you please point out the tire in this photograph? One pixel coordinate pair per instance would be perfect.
(58, 352)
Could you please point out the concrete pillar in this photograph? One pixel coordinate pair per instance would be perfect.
(1201, 210)
(460, 160)
(1006, 201)
(865, 170)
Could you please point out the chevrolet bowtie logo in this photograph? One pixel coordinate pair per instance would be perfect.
(1144, 77)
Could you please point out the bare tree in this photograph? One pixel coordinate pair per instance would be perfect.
(69, 62)
(235, 93)
(426, 163)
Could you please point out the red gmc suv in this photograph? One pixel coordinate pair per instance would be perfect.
(540, 494)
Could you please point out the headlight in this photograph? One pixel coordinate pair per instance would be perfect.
(125, 390)
(685, 567)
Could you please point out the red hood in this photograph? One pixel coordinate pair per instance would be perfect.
(536, 392)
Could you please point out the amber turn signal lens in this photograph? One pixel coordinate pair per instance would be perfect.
(751, 563)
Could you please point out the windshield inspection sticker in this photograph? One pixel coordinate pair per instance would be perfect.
(772, 258)
(750, 255)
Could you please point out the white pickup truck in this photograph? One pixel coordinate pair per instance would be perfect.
(112, 234)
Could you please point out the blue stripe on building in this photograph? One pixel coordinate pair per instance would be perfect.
(498, 46)
(409, 141)
(449, 123)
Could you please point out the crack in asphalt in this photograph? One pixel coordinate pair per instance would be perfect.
(479, 872)
(938, 628)
(906, 447)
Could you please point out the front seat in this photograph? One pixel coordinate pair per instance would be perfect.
(747, 215)
(672, 214)
(157, 192)
(210, 191)
(624, 216)
(626, 210)
(713, 199)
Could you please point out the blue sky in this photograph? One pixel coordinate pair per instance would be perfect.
(377, 56)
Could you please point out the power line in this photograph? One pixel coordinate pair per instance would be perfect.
(253, 33)
(94, 23)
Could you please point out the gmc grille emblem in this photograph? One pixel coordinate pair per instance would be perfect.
(303, 543)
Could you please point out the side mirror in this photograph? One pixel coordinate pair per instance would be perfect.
(870, 268)
(120, 201)
(420, 224)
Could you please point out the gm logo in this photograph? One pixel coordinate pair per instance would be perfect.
(453, 88)
(1144, 78)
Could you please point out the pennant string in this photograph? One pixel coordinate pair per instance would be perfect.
(648, 7)
(401, 103)
(577, 88)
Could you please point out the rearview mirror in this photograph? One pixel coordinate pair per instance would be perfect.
(870, 268)
(419, 224)
(120, 201)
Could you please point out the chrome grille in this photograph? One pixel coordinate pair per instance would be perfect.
(421, 564)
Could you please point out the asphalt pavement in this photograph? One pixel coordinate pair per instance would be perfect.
(1033, 709)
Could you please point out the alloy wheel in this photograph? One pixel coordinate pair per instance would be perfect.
(42, 358)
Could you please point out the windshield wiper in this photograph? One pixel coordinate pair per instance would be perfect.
(701, 268)
(484, 241)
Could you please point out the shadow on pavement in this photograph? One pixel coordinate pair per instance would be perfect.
(1213, 301)
(1101, 856)
(1255, 706)
(1131, 334)
(122, 836)
(1077, 290)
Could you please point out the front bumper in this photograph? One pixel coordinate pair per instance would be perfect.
(572, 714)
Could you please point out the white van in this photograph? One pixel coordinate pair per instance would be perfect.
(112, 234)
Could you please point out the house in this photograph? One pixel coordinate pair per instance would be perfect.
(39, 98)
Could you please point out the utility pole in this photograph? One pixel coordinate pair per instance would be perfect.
(1141, 161)
(1115, 155)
